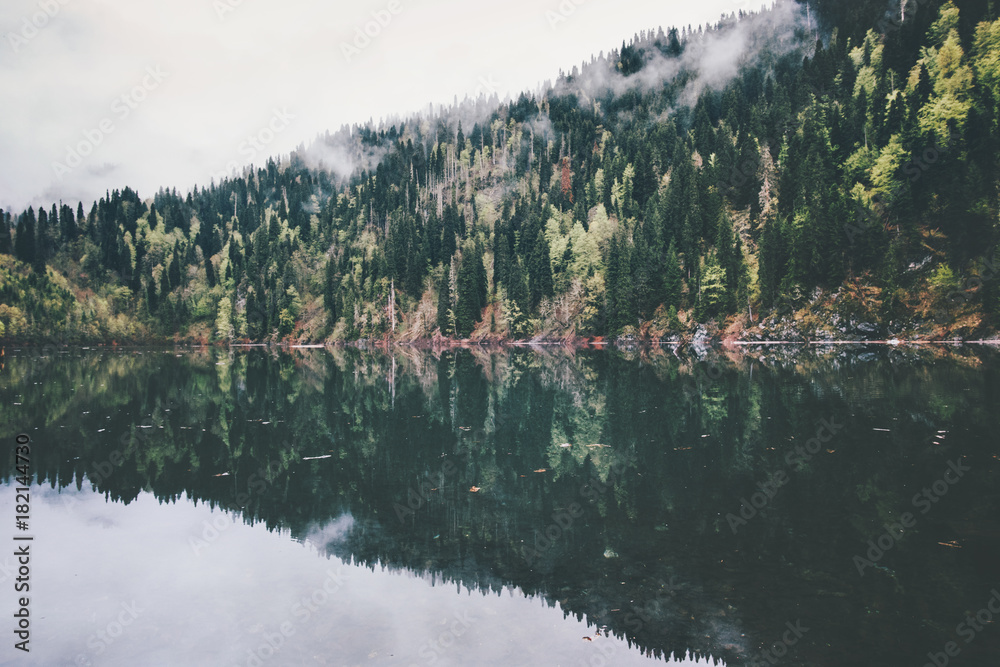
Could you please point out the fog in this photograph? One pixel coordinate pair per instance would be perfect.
(107, 93)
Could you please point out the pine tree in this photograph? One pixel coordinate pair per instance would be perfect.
(444, 302)
(25, 242)
(330, 291)
(467, 310)
(210, 273)
(164, 284)
(174, 269)
(81, 219)
(621, 304)
(6, 237)
(151, 302)
(726, 254)
(673, 278)
(517, 288)
(539, 270)
(43, 245)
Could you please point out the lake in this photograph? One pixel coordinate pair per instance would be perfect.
(827, 506)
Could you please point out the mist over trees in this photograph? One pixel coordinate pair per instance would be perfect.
(690, 175)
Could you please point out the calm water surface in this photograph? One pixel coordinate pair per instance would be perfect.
(318, 507)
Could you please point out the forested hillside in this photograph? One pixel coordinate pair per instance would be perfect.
(826, 171)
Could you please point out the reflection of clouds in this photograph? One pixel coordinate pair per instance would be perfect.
(330, 533)
(233, 600)
(728, 634)
(102, 521)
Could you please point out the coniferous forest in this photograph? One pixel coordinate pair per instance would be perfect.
(827, 170)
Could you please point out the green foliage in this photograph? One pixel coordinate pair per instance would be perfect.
(712, 295)
(943, 282)
(815, 165)
(444, 303)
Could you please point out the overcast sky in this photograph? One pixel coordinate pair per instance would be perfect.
(100, 94)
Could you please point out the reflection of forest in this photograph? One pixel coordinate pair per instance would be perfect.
(656, 449)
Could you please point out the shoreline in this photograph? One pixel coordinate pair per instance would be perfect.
(451, 343)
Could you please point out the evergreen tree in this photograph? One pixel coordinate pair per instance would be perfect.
(6, 237)
(210, 275)
(673, 278)
(25, 241)
(330, 291)
(471, 288)
(539, 270)
(175, 267)
(444, 302)
(621, 304)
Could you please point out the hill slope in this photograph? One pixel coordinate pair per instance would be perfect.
(780, 174)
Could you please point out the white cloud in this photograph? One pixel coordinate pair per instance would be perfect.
(232, 63)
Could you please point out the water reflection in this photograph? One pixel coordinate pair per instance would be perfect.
(180, 584)
(687, 506)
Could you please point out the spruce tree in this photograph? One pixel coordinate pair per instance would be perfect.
(444, 302)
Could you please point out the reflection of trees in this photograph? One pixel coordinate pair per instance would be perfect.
(233, 428)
